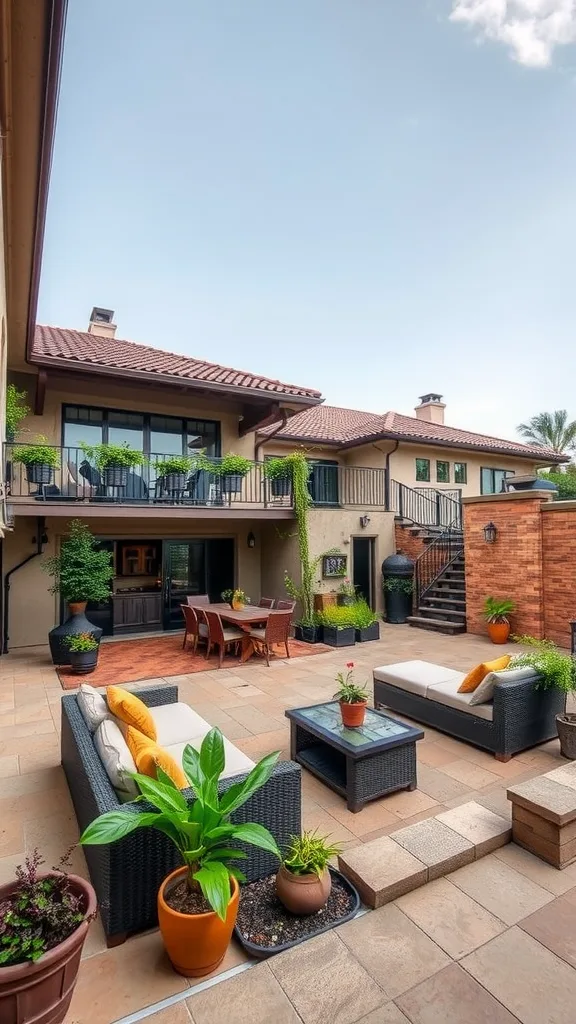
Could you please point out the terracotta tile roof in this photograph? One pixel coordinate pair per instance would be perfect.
(58, 343)
(348, 427)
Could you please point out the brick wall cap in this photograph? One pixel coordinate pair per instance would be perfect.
(569, 505)
(479, 499)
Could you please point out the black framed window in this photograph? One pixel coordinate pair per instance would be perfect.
(323, 481)
(492, 481)
(423, 470)
(442, 472)
(147, 432)
(460, 472)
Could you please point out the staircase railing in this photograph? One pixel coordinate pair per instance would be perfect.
(425, 507)
(436, 558)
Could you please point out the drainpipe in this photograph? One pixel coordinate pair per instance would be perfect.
(387, 471)
(258, 445)
(39, 540)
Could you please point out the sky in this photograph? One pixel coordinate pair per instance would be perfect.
(375, 198)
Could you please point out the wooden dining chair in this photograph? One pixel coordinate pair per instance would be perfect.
(276, 631)
(285, 606)
(266, 602)
(221, 637)
(194, 627)
(198, 599)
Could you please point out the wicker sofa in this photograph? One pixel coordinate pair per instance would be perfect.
(126, 875)
(518, 716)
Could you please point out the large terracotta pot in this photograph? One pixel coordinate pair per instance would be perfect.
(195, 943)
(353, 714)
(303, 894)
(499, 632)
(40, 993)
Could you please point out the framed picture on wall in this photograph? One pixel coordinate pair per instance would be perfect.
(334, 566)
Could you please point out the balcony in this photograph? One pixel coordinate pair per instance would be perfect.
(75, 481)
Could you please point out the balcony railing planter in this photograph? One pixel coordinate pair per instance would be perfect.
(174, 472)
(40, 460)
(277, 473)
(114, 461)
(231, 470)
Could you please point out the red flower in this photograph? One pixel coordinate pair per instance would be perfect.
(349, 664)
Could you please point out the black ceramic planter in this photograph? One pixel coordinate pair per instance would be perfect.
(174, 482)
(115, 476)
(339, 637)
(232, 483)
(317, 927)
(280, 487)
(83, 662)
(368, 633)
(39, 473)
(308, 634)
(398, 606)
(344, 600)
(77, 623)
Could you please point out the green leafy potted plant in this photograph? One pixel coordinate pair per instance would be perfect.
(338, 626)
(277, 472)
(236, 598)
(174, 471)
(366, 622)
(197, 903)
(44, 920)
(231, 470)
(113, 461)
(557, 671)
(352, 698)
(346, 593)
(496, 612)
(40, 459)
(303, 882)
(82, 572)
(16, 410)
(83, 649)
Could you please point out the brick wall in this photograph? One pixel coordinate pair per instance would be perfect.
(559, 572)
(407, 544)
(512, 566)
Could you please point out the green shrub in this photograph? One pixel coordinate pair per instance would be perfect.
(107, 456)
(556, 669)
(363, 614)
(16, 410)
(229, 465)
(82, 570)
(80, 642)
(337, 616)
(276, 468)
(497, 609)
(173, 464)
(398, 584)
(40, 454)
(565, 482)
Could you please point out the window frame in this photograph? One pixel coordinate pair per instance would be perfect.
(443, 462)
(422, 480)
(493, 470)
(464, 480)
(146, 429)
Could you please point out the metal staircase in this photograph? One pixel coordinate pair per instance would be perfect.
(440, 584)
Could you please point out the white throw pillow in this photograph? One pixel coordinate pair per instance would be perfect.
(116, 757)
(485, 691)
(92, 705)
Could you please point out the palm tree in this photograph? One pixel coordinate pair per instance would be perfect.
(550, 430)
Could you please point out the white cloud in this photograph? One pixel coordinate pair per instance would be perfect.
(532, 29)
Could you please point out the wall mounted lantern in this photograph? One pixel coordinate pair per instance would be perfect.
(251, 540)
(364, 521)
(490, 533)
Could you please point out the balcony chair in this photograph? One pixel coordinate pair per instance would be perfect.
(193, 627)
(221, 637)
(276, 631)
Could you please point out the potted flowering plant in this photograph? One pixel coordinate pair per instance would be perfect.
(303, 882)
(83, 649)
(236, 598)
(346, 592)
(352, 698)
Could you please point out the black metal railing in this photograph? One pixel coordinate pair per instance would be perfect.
(436, 558)
(426, 506)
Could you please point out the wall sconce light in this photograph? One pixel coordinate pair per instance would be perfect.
(364, 520)
(251, 540)
(490, 533)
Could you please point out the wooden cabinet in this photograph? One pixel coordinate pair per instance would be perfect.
(135, 613)
(140, 559)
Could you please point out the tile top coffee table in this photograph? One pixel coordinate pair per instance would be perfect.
(361, 764)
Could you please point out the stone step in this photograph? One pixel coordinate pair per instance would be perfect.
(444, 613)
(456, 602)
(389, 867)
(436, 625)
(442, 588)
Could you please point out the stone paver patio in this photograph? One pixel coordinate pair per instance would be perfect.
(494, 941)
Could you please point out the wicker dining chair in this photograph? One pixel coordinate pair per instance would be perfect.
(221, 637)
(194, 627)
(276, 631)
(285, 606)
(266, 602)
(193, 599)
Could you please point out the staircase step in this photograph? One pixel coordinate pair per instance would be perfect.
(437, 625)
(455, 601)
(447, 613)
(441, 588)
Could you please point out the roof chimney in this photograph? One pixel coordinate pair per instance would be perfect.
(102, 322)
(431, 408)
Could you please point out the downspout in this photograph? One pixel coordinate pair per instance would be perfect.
(40, 540)
(283, 421)
(387, 472)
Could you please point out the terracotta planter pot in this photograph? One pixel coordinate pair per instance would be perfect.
(566, 726)
(303, 894)
(195, 943)
(237, 606)
(499, 632)
(40, 993)
(77, 607)
(353, 714)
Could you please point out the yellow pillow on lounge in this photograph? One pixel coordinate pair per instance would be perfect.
(152, 756)
(136, 741)
(472, 681)
(130, 710)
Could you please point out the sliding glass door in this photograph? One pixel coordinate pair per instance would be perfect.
(195, 567)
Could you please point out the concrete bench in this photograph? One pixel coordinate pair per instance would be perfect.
(544, 815)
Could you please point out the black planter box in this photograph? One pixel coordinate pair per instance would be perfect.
(281, 486)
(115, 476)
(232, 483)
(308, 634)
(368, 633)
(339, 637)
(39, 473)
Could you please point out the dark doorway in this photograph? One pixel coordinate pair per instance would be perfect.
(363, 568)
(195, 567)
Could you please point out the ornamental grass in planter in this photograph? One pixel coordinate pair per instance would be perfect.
(367, 626)
(197, 903)
(557, 671)
(337, 626)
(496, 612)
(44, 920)
(303, 882)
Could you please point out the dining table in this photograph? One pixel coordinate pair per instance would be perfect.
(245, 618)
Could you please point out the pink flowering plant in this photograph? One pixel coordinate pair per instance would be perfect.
(348, 691)
(347, 588)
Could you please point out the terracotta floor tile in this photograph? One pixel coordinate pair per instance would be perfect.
(326, 824)
(453, 997)
(254, 997)
(406, 804)
(469, 774)
(176, 1014)
(506, 893)
(433, 754)
(549, 878)
(8, 766)
(387, 1014)
(438, 785)
(555, 927)
(453, 921)
(372, 816)
(257, 746)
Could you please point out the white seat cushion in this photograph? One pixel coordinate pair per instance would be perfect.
(230, 633)
(175, 723)
(416, 676)
(447, 693)
(485, 691)
(259, 633)
(234, 763)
